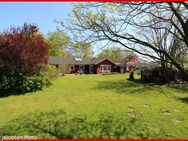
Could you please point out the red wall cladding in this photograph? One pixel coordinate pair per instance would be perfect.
(104, 62)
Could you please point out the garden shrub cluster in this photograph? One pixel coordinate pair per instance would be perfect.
(23, 55)
(64, 69)
(28, 83)
(33, 83)
(22, 84)
(51, 72)
(59, 125)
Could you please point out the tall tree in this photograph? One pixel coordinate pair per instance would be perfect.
(58, 42)
(116, 54)
(83, 49)
(23, 50)
(135, 26)
(80, 49)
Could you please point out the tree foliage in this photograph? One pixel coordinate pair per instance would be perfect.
(58, 42)
(116, 54)
(23, 50)
(62, 45)
(23, 54)
(83, 50)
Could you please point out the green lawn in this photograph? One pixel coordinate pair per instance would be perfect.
(98, 106)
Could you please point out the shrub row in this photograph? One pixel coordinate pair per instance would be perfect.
(28, 83)
(23, 83)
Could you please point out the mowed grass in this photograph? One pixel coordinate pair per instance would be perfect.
(160, 111)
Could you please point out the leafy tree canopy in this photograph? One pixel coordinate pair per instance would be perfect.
(83, 50)
(116, 54)
(58, 42)
(23, 49)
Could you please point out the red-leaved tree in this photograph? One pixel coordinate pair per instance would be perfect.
(22, 50)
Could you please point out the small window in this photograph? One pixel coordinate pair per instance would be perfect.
(78, 59)
(105, 68)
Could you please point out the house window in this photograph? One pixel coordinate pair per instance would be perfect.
(105, 68)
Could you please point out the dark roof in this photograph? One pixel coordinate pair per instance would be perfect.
(74, 61)
(60, 60)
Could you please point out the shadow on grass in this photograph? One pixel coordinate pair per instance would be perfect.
(184, 99)
(128, 87)
(7, 93)
(59, 125)
(179, 87)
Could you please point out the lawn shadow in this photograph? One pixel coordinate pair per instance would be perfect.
(59, 125)
(7, 93)
(179, 87)
(127, 86)
(184, 99)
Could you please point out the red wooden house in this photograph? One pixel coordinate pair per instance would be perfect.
(84, 65)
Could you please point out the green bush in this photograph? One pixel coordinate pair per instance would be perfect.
(51, 72)
(21, 83)
(7, 82)
(3, 82)
(33, 83)
(64, 69)
(24, 84)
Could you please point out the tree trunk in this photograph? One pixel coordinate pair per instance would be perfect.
(183, 72)
(184, 75)
(165, 71)
(131, 76)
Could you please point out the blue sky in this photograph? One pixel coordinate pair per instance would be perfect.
(41, 13)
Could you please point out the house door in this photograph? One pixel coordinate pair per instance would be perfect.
(122, 69)
(91, 69)
(81, 69)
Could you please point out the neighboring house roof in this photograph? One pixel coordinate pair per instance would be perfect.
(74, 61)
(133, 61)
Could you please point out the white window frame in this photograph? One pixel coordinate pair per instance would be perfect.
(106, 70)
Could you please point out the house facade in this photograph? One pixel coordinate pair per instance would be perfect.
(90, 66)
